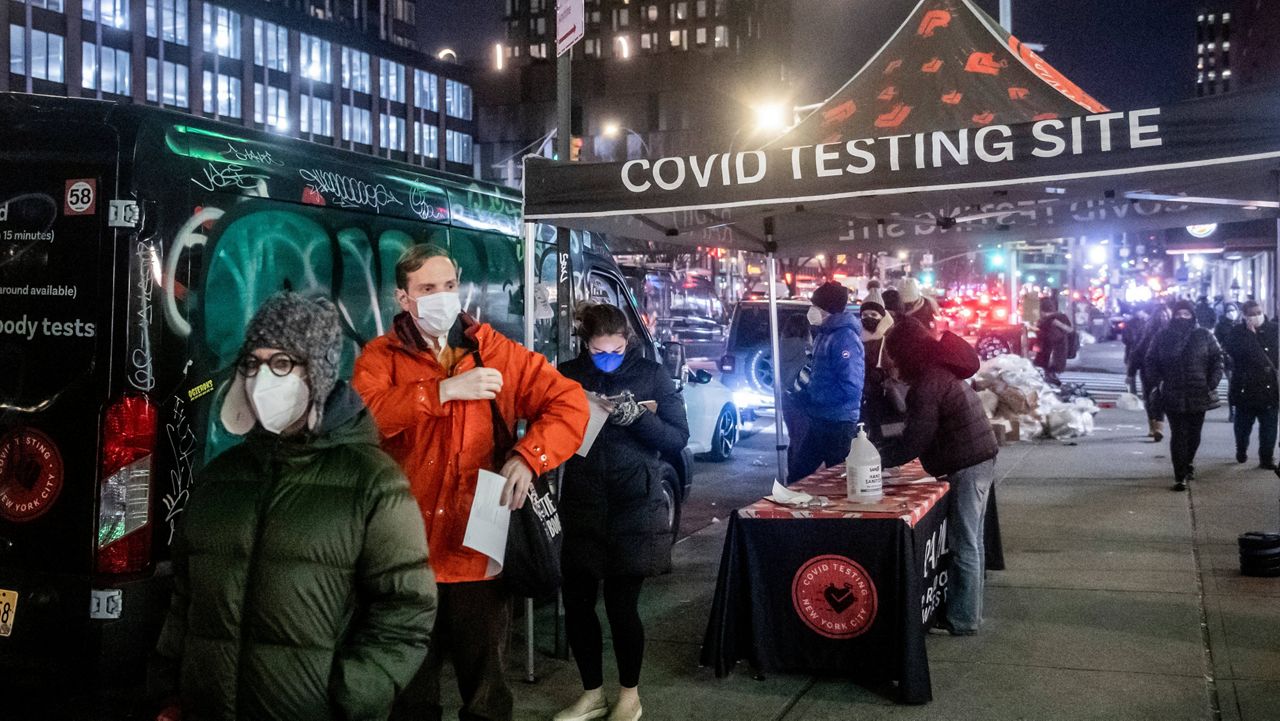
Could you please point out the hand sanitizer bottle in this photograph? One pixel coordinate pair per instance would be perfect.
(863, 468)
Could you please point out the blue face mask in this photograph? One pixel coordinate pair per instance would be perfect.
(607, 362)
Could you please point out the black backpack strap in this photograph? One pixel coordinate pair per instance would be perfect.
(503, 439)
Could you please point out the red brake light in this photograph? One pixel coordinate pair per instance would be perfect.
(124, 491)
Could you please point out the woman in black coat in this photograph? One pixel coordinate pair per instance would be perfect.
(612, 506)
(1252, 347)
(1185, 366)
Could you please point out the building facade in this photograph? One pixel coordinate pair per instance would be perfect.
(1259, 38)
(1214, 72)
(649, 78)
(302, 68)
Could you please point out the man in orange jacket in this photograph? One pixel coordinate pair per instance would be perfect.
(432, 404)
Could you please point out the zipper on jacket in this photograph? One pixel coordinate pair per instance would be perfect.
(251, 573)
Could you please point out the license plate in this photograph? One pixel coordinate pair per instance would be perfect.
(8, 610)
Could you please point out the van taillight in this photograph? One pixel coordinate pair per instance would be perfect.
(728, 363)
(124, 493)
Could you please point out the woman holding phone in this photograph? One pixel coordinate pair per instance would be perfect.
(612, 507)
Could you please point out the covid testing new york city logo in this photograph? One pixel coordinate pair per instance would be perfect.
(834, 596)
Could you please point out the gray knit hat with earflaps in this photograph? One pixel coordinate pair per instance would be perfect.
(306, 328)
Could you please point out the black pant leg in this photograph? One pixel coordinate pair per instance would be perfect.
(622, 604)
(1267, 422)
(1243, 424)
(1178, 444)
(582, 627)
(420, 700)
(480, 624)
(1195, 425)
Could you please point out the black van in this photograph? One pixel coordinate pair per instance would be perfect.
(135, 244)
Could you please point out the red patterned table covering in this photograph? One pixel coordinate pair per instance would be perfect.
(909, 494)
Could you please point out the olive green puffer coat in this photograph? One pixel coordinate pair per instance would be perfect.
(302, 590)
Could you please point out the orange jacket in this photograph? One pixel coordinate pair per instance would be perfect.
(443, 447)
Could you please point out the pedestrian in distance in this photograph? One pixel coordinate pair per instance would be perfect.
(917, 305)
(1229, 318)
(892, 301)
(1185, 365)
(612, 508)
(948, 430)
(1251, 346)
(1206, 316)
(879, 405)
(1138, 369)
(1053, 332)
(301, 583)
(833, 398)
(440, 386)
(1132, 335)
(794, 347)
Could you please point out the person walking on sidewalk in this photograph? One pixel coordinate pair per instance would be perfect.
(613, 509)
(1251, 346)
(1054, 334)
(301, 583)
(833, 398)
(1185, 364)
(1137, 368)
(433, 383)
(948, 430)
(1228, 319)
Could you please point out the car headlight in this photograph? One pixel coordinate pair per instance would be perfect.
(752, 399)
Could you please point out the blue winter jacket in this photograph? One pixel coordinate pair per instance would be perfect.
(834, 392)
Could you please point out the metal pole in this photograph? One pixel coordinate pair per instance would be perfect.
(564, 145)
(780, 430)
(1006, 15)
(1014, 305)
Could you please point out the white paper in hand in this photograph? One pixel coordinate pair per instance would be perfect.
(489, 521)
(600, 411)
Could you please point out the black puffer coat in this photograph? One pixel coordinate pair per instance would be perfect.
(947, 429)
(1253, 385)
(612, 505)
(1185, 364)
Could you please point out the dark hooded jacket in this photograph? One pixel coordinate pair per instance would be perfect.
(1184, 363)
(301, 584)
(612, 505)
(1253, 385)
(947, 428)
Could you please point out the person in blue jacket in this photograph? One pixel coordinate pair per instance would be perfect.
(833, 397)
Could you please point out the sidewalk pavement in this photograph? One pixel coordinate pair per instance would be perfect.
(1122, 600)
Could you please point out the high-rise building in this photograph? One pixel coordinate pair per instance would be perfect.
(1213, 51)
(338, 72)
(649, 78)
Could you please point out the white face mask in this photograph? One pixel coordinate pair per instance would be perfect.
(438, 312)
(816, 315)
(277, 402)
(1254, 320)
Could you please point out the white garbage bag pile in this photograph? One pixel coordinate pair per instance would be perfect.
(1015, 395)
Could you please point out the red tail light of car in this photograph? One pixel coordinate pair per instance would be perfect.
(124, 491)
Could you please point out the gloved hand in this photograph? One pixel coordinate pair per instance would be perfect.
(625, 410)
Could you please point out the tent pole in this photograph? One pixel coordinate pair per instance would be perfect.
(780, 431)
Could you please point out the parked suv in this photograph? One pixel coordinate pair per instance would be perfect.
(746, 366)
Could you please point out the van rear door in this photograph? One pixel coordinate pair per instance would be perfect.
(57, 282)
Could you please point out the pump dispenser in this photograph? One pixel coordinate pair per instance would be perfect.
(862, 468)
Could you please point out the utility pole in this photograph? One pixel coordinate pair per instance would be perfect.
(1006, 15)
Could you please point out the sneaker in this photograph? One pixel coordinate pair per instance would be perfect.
(1179, 486)
(590, 705)
(1241, 456)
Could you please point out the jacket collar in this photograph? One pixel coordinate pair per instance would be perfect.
(835, 322)
(464, 335)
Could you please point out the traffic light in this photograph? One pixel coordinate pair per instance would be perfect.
(995, 259)
(575, 148)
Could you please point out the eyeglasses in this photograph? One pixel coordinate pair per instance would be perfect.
(281, 364)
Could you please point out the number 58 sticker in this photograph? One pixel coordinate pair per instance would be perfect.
(81, 198)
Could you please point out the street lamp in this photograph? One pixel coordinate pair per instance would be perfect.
(771, 118)
(612, 129)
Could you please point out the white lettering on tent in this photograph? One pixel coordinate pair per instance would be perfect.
(958, 151)
(1077, 136)
(1137, 129)
(893, 151)
(866, 156)
(762, 167)
(822, 156)
(796, 172)
(1056, 144)
(993, 152)
(725, 178)
(702, 175)
(669, 184)
(626, 176)
(1104, 128)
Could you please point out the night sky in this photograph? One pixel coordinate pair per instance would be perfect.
(1126, 53)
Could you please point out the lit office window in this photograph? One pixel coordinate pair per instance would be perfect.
(357, 125)
(426, 140)
(390, 132)
(457, 99)
(316, 116)
(112, 13)
(355, 71)
(403, 10)
(54, 5)
(701, 36)
(722, 36)
(174, 77)
(47, 58)
(270, 46)
(222, 31)
(457, 147)
(424, 90)
(680, 39)
(271, 107)
(316, 56)
(391, 81)
(168, 17)
(227, 94)
(679, 11)
(702, 8)
(722, 8)
(109, 63)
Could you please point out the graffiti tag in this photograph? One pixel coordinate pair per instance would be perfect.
(229, 176)
(248, 155)
(420, 204)
(143, 375)
(349, 192)
(182, 444)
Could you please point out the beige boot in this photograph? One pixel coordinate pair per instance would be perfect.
(1157, 431)
(590, 705)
